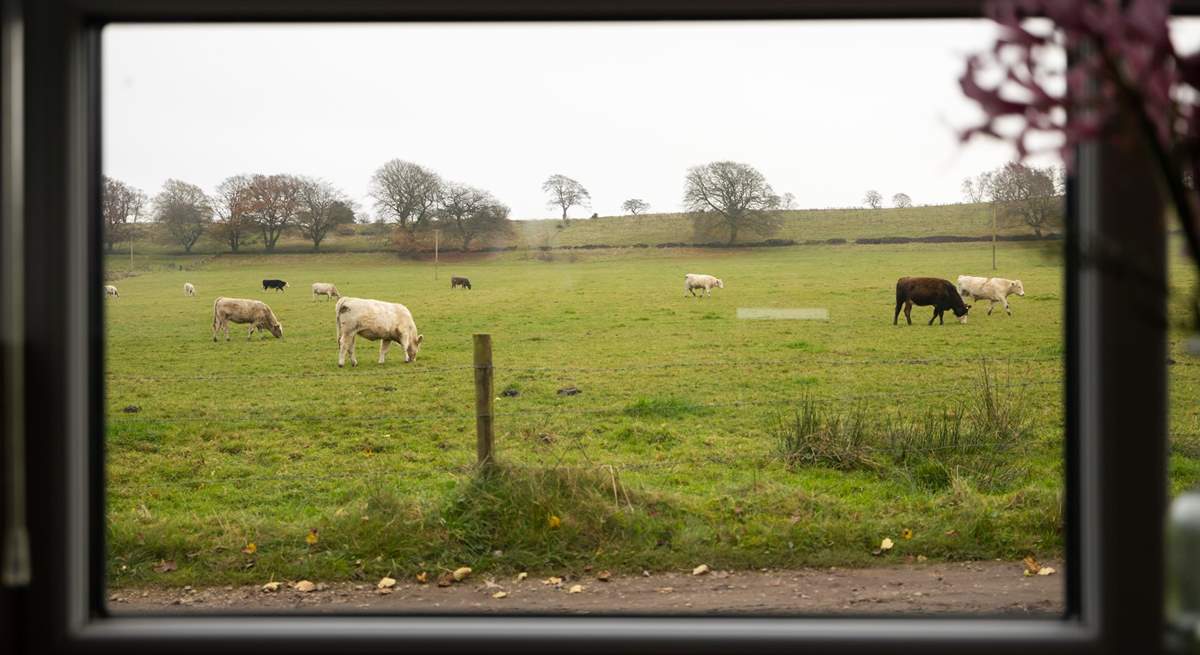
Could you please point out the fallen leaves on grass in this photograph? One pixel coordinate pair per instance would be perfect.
(165, 566)
(700, 570)
(552, 580)
(304, 586)
(1032, 567)
(906, 533)
(522, 575)
(422, 577)
(886, 544)
(553, 521)
(500, 594)
(250, 548)
(603, 576)
(386, 583)
(575, 589)
(461, 573)
(271, 587)
(445, 579)
(311, 538)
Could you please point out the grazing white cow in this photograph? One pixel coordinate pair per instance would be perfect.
(110, 290)
(325, 289)
(240, 310)
(188, 289)
(993, 289)
(375, 320)
(693, 281)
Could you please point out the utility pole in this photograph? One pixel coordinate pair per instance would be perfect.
(436, 237)
(131, 224)
(993, 235)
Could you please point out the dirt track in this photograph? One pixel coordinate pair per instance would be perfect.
(954, 588)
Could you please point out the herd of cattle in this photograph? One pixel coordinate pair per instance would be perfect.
(388, 322)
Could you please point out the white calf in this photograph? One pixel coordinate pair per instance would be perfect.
(240, 310)
(375, 320)
(325, 289)
(110, 290)
(993, 289)
(693, 281)
(188, 289)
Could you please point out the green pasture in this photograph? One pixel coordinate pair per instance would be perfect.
(669, 457)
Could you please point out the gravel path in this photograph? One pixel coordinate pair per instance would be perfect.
(918, 588)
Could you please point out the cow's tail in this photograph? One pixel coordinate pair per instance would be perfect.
(215, 304)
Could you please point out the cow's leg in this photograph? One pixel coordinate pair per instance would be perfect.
(934, 317)
(353, 356)
(908, 311)
(991, 306)
(896, 316)
(1007, 310)
(341, 350)
(383, 348)
(226, 324)
(250, 332)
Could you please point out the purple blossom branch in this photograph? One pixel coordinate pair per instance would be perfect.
(1123, 67)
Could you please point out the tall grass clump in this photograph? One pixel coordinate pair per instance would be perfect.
(975, 438)
(815, 434)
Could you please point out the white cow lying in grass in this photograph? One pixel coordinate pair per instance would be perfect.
(110, 290)
(188, 289)
(325, 289)
(994, 289)
(693, 281)
(240, 310)
(378, 321)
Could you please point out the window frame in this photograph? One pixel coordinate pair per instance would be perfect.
(1114, 389)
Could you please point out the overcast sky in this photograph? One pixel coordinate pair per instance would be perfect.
(826, 110)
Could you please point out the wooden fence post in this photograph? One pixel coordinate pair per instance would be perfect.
(485, 438)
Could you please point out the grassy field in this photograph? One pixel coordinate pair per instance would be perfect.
(672, 455)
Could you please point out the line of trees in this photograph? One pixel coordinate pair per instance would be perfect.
(1026, 195)
(242, 207)
(874, 200)
(418, 200)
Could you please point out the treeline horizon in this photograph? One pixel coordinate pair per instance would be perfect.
(722, 199)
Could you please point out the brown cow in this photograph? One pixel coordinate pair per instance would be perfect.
(924, 291)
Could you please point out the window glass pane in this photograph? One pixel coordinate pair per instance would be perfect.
(765, 435)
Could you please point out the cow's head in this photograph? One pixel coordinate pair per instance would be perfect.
(961, 312)
(276, 328)
(1017, 288)
(414, 347)
(720, 284)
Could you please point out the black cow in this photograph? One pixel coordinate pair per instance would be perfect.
(278, 285)
(458, 281)
(924, 291)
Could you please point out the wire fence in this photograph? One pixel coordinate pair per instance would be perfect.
(546, 411)
(797, 363)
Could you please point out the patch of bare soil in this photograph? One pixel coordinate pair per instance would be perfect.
(919, 588)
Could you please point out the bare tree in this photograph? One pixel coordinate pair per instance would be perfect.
(319, 204)
(634, 206)
(232, 204)
(472, 214)
(901, 200)
(274, 203)
(730, 197)
(121, 204)
(565, 193)
(873, 199)
(406, 193)
(1028, 194)
(787, 201)
(184, 210)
